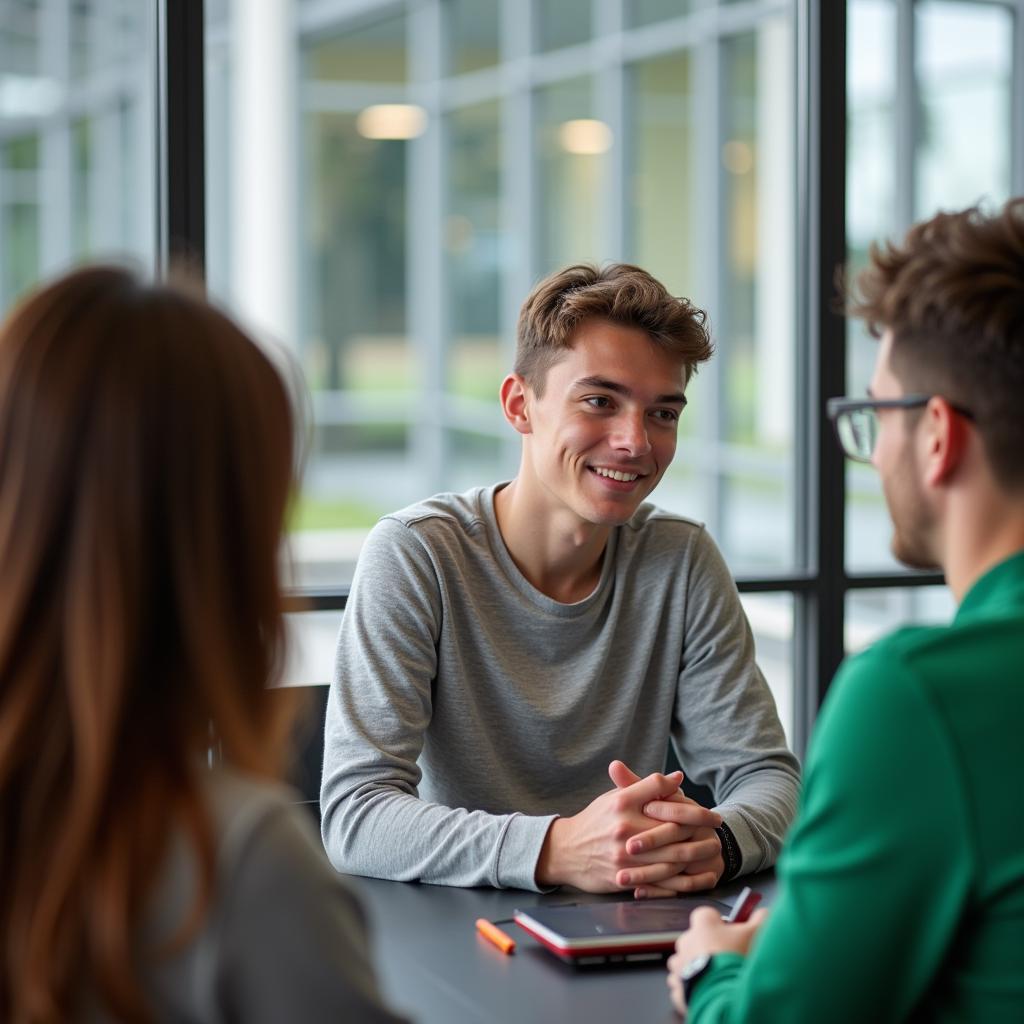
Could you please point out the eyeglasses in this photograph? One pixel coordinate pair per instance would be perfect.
(856, 420)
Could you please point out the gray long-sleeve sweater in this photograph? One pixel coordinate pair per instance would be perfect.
(468, 709)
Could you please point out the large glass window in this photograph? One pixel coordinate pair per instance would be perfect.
(429, 196)
(386, 180)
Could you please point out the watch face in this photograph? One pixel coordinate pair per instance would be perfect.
(696, 966)
(691, 972)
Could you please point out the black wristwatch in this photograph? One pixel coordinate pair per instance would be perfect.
(691, 972)
(731, 855)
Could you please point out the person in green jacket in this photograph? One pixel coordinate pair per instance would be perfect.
(901, 885)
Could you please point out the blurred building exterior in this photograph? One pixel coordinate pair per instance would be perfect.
(386, 179)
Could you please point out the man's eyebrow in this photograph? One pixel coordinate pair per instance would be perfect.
(871, 393)
(675, 398)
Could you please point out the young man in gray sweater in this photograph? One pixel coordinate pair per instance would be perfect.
(505, 651)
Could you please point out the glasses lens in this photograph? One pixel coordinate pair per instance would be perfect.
(858, 431)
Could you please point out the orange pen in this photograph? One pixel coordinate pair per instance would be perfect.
(493, 934)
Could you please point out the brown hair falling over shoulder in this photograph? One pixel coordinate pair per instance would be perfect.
(146, 460)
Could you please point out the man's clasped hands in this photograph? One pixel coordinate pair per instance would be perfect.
(644, 834)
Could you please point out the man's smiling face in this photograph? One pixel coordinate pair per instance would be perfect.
(604, 430)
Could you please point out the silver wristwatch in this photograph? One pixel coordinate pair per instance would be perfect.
(692, 971)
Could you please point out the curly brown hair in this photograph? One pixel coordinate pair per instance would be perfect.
(952, 294)
(618, 293)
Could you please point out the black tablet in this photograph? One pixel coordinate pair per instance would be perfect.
(592, 933)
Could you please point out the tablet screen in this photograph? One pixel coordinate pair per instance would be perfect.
(576, 924)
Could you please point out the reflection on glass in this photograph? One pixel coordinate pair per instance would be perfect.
(356, 353)
(564, 23)
(357, 217)
(21, 40)
(81, 173)
(872, 614)
(870, 216)
(80, 17)
(663, 200)
(471, 34)
(474, 252)
(473, 247)
(739, 166)
(871, 132)
(370, 53)
(755, 321)
(646, 12)
(771, 619)
(571, 175)
(964, 65)
(963, 71)
(77, 138)
(352, 119)
(375, 353)
(19, 267)
(354, 349)
(662, 173)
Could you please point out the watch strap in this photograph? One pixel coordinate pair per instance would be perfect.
(692, 973)
(730, 853)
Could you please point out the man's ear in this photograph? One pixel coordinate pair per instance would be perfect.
(946, 439)
(515, 402)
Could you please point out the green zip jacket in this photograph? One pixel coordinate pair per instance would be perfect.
(901, 886)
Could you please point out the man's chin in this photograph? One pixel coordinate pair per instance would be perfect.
(614, 518)
(617, 514)
(913, 556)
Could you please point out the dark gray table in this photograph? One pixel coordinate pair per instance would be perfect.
(436, 968)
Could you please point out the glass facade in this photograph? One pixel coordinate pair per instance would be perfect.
(420, 238)
(78, 134)
(385, 182)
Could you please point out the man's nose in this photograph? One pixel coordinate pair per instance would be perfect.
(631, 434)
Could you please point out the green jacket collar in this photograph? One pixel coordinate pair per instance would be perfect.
(1001, 589)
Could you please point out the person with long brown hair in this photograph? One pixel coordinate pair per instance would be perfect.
(153, 870)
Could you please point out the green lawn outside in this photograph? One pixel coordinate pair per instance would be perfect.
(310, 513)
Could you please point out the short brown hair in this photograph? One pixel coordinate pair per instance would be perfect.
(146, 461)
(953, 296)
(619, 293)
